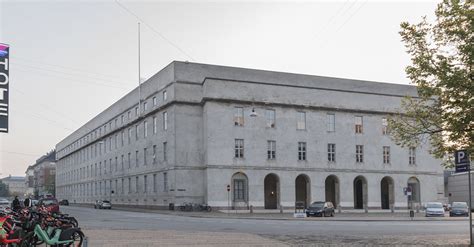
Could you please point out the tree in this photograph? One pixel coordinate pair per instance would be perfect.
(4, 191)
(441, 67)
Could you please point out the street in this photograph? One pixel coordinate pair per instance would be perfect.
(124, 228)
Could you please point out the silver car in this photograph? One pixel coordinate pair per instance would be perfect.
(434, 209)
(103, 204)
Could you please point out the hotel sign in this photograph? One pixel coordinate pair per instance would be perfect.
(4, 80)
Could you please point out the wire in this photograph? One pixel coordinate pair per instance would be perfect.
(154, 30)
(331, 19)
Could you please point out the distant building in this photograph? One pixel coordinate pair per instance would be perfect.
(44, 174)
(30, 181)
(16, 185)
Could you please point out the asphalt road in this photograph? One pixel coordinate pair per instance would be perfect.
(286, 231)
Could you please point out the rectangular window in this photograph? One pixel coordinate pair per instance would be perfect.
(359, 153)
(301, 124)
(384, 126)
(165, 95)
(239, 148)
(358, 125)
(239, 116)
(154, 101)
(301, 151)
(122, 186)
(165, 181)
(116, 123)
(332, 152)
(239, 190)
(145, 189)
(116, 163)
(136, 111)
(154, 125)
(144, 157)
(270, 117)
(154, 154)
(145, 129)
(136, 184)
(122, 119)
(123, 137)
(122, 161)
(129, 115)
(331, 122)
(136, 131)
(129, 185)
(105, 166)
(165, 147)
(386, 154)
(165, 120)
(129, 161)
(136, 158)
(271, 150)
(412, 156)
(154, 183)
(145, 106)
(129, 135)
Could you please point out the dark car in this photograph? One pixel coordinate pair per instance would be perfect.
(459, 209)
(51, 204)
(64, 202)
(322, 209)
(103, 204)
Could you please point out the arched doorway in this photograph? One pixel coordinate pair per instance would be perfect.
(302, 189)
(414, 184)
(271, 191)
(331, 186)
(360, 192)
(239, 185)
(387, 196)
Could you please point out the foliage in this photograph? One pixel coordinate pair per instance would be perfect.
(442, 70)
(4, 192)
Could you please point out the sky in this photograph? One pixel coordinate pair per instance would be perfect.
(70, 60)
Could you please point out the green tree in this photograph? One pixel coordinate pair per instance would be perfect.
(442, 70)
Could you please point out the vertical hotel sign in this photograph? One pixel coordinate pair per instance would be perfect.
(4, 80)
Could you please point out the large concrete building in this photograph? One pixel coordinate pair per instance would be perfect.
(274, 138)
(42, 175)
(15, 184)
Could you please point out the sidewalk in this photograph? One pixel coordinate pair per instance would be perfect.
(345, 215)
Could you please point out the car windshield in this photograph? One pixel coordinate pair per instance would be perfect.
(459, 205)
(49, 202)
(317, 205)
(434, 205)
(106, 202)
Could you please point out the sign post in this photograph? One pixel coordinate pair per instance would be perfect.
(461, 160)
(228, 199)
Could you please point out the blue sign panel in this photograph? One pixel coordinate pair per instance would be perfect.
(463, 167)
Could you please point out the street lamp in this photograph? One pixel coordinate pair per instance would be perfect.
(253, 113)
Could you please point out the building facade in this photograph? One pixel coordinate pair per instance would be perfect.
(273, 138)
(15, 184)
(30, 181)
(43, 175)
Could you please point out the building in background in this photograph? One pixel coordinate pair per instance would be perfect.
(15, 184)
(274, 138)
(30, 181)
(44, 174)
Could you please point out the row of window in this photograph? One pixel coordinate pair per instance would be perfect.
(106, 187)
(270, 117)
(331, 152)
(100, 131)
(97, 169)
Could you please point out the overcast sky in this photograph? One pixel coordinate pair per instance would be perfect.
(71, 60)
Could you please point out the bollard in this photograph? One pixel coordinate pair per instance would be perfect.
(366, 208)
(251, 209)
(392, 208)
(281, 209)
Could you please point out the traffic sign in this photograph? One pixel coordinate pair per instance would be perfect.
(461, 157)
(463, 167)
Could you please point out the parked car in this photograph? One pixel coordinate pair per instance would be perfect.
(4, 203)
(459, 209)
(64, 202)
(434, 209)
(103, 204)
(320, 209)
(51, 204)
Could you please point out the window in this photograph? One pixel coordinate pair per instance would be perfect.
(121, 191)
(154, 101)
(122, 119)
(136, 131)
(239, 190)
(358, 125)
(301, 151)
(239, 116)
(129, 161)
(154, 125)
(239, 148)
(271, 150)
(386, 155)
(136, 158)
(332, 152)
(129, 185)
(123, 137)
(412, 156)
(165, 181)
(359, 153)
(129, 135)
(116, 163)
(154, 183)
(145, 184)
(154, 154)
(136, 111)
(116, 123)
(144, 157)
(270, 116)
(136, 184)
(145, 128)
(384, 126)
(165, 120)
(331, 122)
(145, 106)
(165, 95)
(129, 115)
(105, 166)
(122, 161)
(165, 147)
(301, 124)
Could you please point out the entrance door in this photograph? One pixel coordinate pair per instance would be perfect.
(271, 191)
